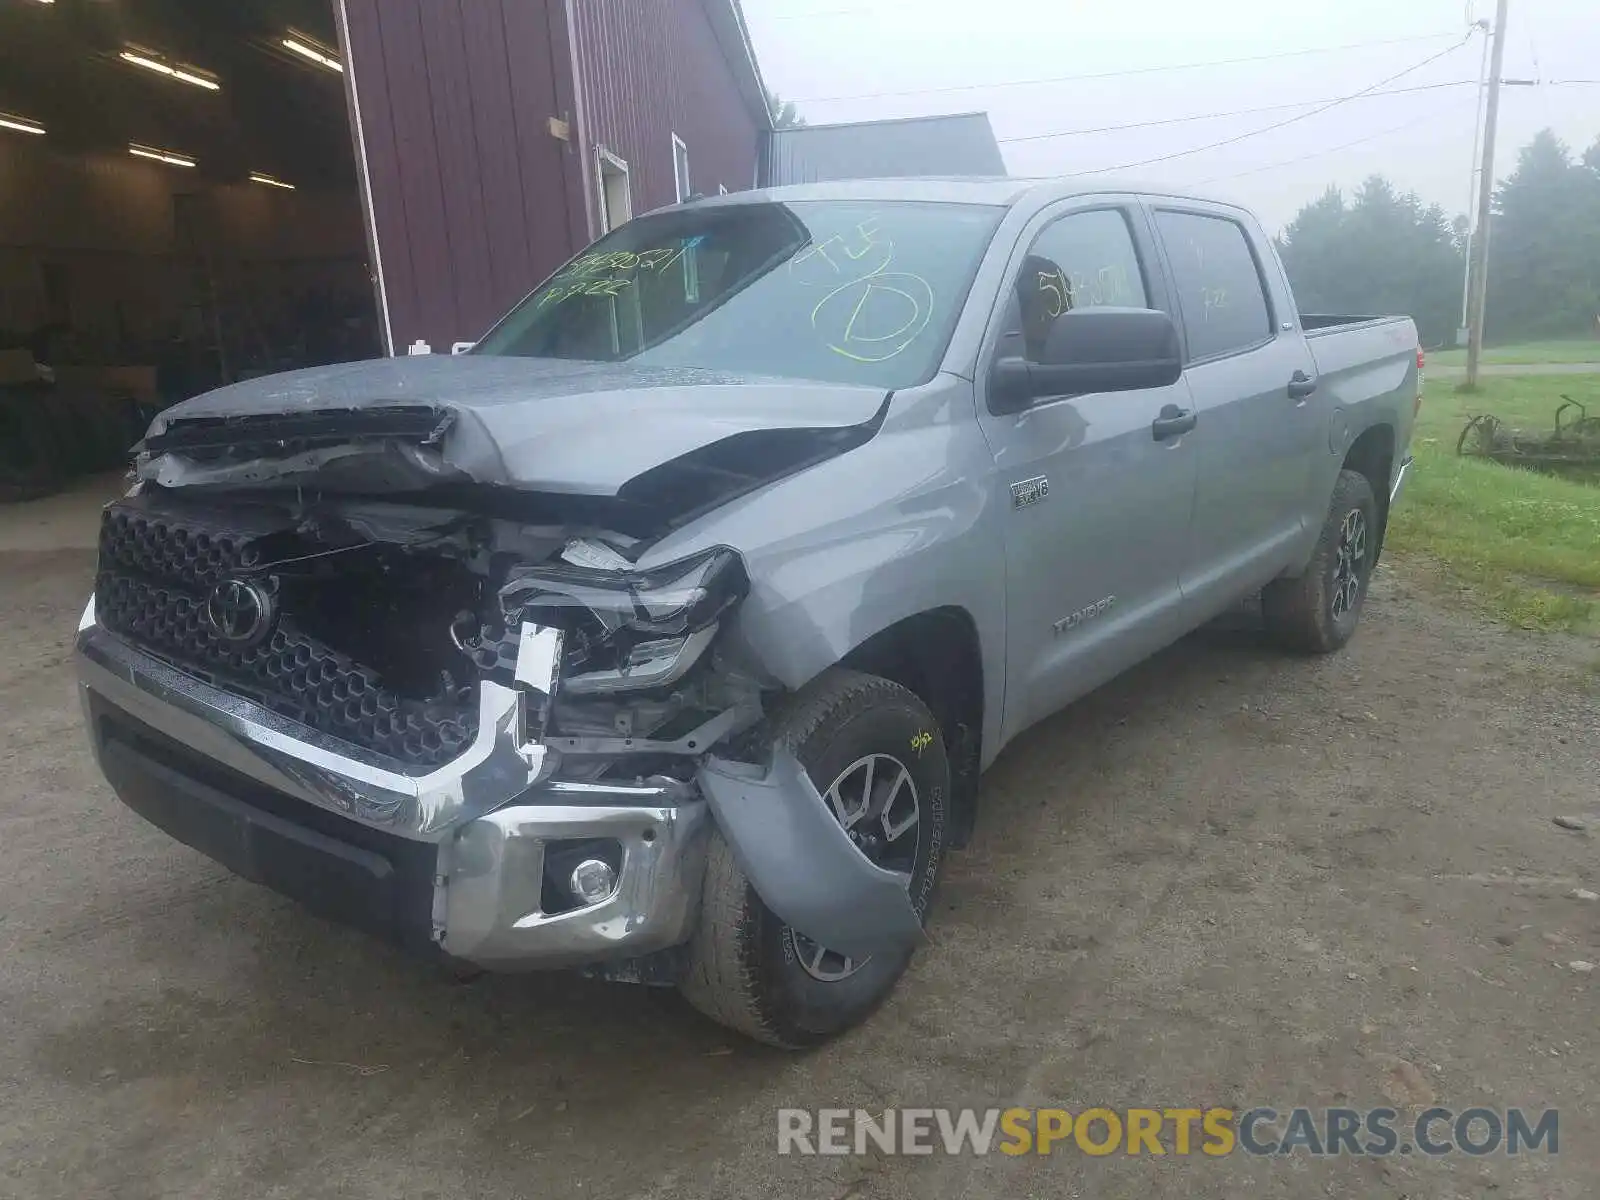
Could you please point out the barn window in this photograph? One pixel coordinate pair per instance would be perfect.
(616, 199)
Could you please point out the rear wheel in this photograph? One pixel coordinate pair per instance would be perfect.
(875, 753)
(1318, 612)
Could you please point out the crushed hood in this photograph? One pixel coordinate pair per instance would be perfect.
(680, 438)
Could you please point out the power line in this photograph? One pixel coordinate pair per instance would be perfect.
(1195, 66)
(1237, 112)
(1289, 162)
(1265, 108)
(1160, 158)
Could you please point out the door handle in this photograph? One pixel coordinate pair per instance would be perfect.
(1172, 422)
(1301, 385)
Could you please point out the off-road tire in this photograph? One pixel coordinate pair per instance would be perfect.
(743, 971)
(1300, 613)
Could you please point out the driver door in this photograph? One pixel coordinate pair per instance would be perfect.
(1097, 505)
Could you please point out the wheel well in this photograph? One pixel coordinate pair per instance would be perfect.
(937, 655)
(1372, 455)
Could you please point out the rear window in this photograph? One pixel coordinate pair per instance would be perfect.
(849, 292)
(1220, 295)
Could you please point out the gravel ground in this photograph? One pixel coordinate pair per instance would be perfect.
(1229, 878)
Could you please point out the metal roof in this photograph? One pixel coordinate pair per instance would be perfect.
(959, 145)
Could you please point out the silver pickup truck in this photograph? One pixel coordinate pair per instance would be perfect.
(666, 633)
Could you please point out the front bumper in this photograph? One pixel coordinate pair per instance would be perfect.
(449, 860)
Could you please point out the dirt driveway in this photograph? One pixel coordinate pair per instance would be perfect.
(1229, 879)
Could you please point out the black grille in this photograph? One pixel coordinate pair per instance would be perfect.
(160, 546)
(155, 573)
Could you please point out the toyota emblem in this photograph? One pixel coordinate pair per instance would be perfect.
(239, 612)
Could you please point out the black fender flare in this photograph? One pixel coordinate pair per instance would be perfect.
(801, 862)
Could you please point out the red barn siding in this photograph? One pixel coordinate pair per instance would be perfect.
(652, 68)
(473, 199)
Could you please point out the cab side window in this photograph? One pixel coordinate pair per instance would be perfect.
(1219, 286)
(1083, 260)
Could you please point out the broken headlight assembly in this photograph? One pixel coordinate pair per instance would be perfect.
(627, 630)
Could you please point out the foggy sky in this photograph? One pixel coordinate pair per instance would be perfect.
(813, 50)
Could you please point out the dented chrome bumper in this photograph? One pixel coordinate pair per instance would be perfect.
(496, 868)
(345, 832)
(462, 859)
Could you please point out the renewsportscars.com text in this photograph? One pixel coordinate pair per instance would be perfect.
(1213, 1132)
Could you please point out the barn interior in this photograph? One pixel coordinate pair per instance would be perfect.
(179, 209)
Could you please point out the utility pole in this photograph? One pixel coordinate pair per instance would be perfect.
(1472, 184)
(1480, 244)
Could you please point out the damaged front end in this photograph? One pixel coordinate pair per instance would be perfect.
(484, 681)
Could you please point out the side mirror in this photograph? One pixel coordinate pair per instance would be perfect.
(1092, 350)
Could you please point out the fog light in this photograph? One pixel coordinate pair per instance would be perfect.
(592, 880)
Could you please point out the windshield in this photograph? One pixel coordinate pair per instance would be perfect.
(848, 292)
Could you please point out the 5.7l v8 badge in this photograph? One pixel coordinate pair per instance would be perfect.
(1030, 491)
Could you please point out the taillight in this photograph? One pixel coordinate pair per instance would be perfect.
(1422, 359)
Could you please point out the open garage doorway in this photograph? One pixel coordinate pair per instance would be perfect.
(179, 209)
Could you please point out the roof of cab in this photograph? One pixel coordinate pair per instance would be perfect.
(1001, 191)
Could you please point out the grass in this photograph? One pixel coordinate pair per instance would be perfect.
(1526, 545)
(1575, 350)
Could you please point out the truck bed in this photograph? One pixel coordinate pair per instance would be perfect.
(1381, 349)
(1367, 369)
(1320, 324)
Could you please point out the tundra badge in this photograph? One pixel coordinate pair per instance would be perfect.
(1087, 613)
(1030, 491)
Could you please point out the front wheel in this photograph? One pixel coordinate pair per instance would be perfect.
(1317, 613)
(875, 753)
